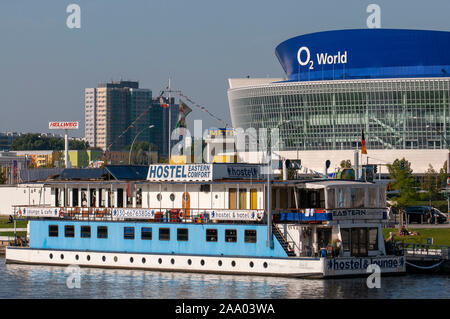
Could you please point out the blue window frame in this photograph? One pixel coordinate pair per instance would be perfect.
(128, 233)
(146, 233)
(102, 232)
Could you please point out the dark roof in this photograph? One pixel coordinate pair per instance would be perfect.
(82, 174)
(128, 172)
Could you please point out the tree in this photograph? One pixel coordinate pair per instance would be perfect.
(30, 142)
(2, 175)
(430, 183)
(400, 173)
(443, 175)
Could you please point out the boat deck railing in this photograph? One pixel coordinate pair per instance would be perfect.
(163, 215)
(424, 251)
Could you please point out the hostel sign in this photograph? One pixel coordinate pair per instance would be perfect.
(180, 173)
(350, 266)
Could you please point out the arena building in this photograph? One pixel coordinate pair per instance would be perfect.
(393, 85)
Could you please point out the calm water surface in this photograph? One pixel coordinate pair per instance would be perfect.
(27, 281)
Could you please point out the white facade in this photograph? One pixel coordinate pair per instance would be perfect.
(23, 194)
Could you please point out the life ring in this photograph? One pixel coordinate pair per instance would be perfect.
(61, 213)
(259, 217)
(180, 214)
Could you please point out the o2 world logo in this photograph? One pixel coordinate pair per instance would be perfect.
(304, 58)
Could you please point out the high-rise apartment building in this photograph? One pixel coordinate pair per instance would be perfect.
(112, 107)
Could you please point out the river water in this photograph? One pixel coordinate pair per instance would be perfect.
(29, 281)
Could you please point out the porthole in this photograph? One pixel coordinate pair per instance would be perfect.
(160, 260)
(233, 263)
(265, 265)
(51, 256)
(131, 259)
(202, 262)
(104, 258)
(143, 260)
(251, 264)
(189, 262)
(220, 262)
(172, 197)
(115, 258)
(62, 256)
(88, 257)
(172, 261)
(77, 257)
(159, 197)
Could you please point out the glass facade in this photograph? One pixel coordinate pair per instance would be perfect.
(330, 115)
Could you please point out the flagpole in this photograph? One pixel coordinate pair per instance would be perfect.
(170, 120)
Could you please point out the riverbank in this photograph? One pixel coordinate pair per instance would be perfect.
(441, 236)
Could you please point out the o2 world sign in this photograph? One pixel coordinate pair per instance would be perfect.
(304, 58)
(63, 125)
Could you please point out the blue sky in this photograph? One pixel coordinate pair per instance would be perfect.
(45, 66)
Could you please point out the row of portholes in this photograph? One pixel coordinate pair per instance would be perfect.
(172, 261)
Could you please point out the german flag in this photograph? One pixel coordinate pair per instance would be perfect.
(363, 143)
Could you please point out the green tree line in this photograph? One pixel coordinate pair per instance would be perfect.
(33, 142)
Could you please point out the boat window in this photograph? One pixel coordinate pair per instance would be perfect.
(164, 234)
(243, 198)
(75, 197)
(102, 197)
(52, 230)
(373, 238)
(345, 234)
(312, 198)
(253, 198)
(331, 198)
(230, 235)
(129, 196)
(139, 197)
(69, 231)
(172, 197)
(250, 236)
(146, 233)
(357, 197)
(283, 204)
(211, 235)
(120, 197)
(340, 196)
(83, 197)
(372, 200)
(110, 198)
(382, 196)
(102, 232)
(232, 198)
(93, 193)
(359, 242)
(159, 197)
(128, 233)
(182, 234)
(85, 232)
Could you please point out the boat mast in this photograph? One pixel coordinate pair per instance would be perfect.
(170, 120)
(269, 242)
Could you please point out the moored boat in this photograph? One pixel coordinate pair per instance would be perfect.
(207, 218)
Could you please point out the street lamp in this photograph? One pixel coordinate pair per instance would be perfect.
(131, 148)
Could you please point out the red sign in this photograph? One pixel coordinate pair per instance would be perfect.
(63, 125)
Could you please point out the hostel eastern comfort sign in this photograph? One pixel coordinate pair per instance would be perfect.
(180, 173)
(63, 125)
(202, 172)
